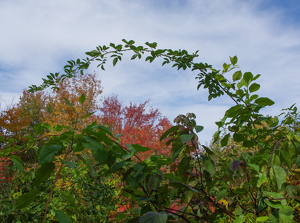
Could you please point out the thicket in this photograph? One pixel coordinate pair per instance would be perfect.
(248, 174)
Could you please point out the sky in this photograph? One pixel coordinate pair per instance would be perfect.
(38, 37)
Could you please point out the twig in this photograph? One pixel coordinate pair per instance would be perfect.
(283, 198)
(272, 155)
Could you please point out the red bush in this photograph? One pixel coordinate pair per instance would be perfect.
(4, 163)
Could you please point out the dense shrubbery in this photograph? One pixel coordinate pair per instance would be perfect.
(249, 174)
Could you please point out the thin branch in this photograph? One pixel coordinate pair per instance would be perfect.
(272, 155)
(283, 198)
(53, 186)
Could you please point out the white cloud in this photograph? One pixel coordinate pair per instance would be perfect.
(39, 37)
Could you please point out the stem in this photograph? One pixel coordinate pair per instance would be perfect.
(53, 186)
(272, 155)
(197, 154)
(219, 206)
(283, 198)
(61, 165)
(250, 192)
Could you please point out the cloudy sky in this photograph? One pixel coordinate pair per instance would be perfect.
(38, 37)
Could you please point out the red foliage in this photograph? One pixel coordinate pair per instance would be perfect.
(122, 208)
(137, 123)
(4, 177)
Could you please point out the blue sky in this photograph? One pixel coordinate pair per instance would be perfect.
(38, 37)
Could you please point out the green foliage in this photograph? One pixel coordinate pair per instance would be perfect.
(243, 179)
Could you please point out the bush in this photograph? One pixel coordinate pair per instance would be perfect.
(250, 185)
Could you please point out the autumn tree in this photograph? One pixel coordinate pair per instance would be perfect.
(137, 123)
(18, 121)
(71, 89)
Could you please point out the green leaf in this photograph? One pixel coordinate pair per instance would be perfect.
(127, 173)
(216, 136)
(248, 76)
(145, 209)
(16, 158)
(161, 160)
(256, 76)
(153, 182)
(239, 92)
(254, 87)
(225, 139)
(274, 204)
(170, 130)
(133, 220)
(240, 191)
(161, 174)
(240, 219)
(118, 166)
(241, 84)
(274, 216)
(99, 152)
(58, 128)
(233, 111)
(286, 158)
(69, 197)
(248, 143)
(262, 219)
(47, 126)
(220, 195)
(237, 76)
(238, 137)
(264, 101)
(183, 166)
(62, 217)
(297, 137)
(26, 199)
(279, 175)
(186, 137)
(163, 193)
(179, 185)
(286, 214)
(177, 152)
(253, 97)
(153, 217)
(220, 77)
(82, 99)
(262, 179)
(238, 211)
(208, 165)
(136, 180)
(199, 128)
(47, 154)
(38, 129)
(115, 61)
(254, 182)
(69, 164)
(68, 103)
(43, 173)
(134, 56)
(226, 67)
(233, 60)
(137, 168)
(139, 148)
(121, 216)
(256, 167)
(210, 153)
(276, 195)
(211, 184)
(17, 161)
